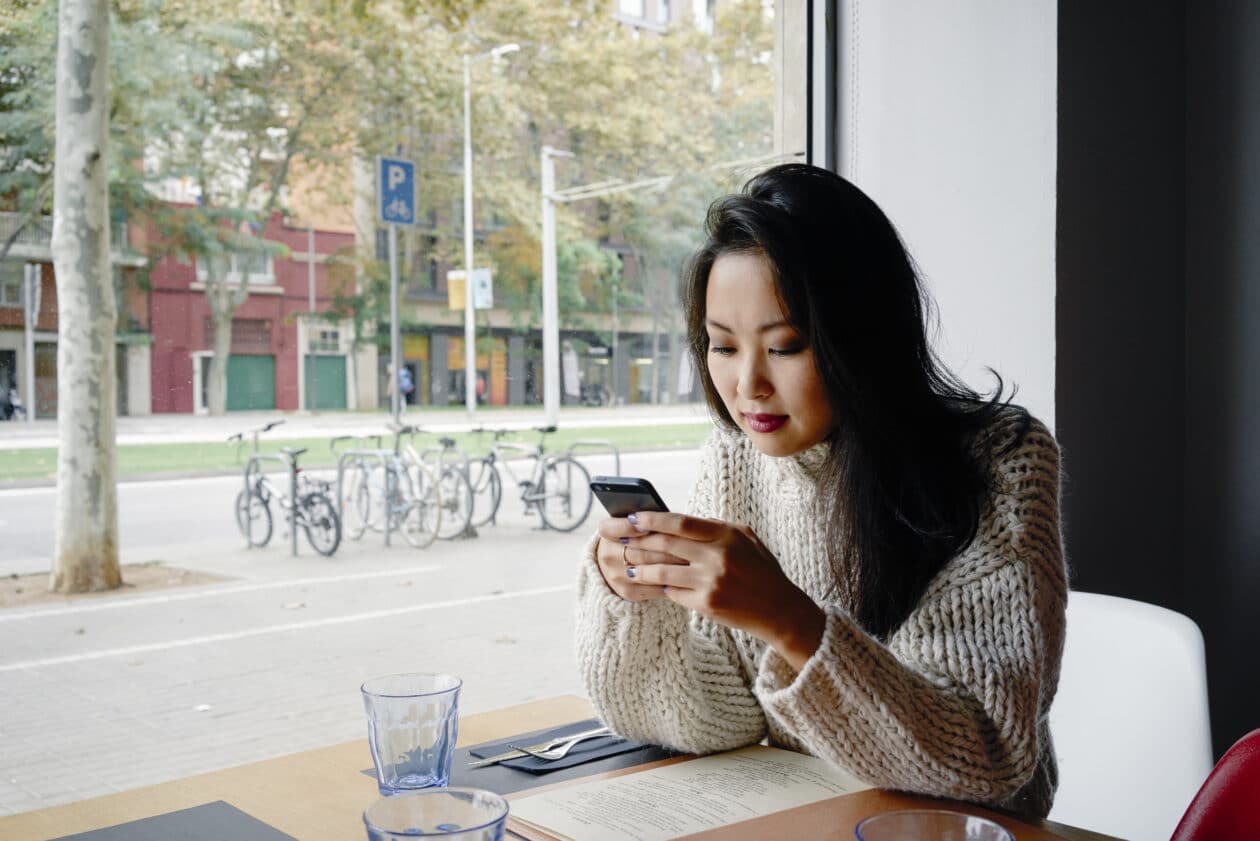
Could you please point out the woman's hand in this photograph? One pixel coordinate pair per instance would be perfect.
(616, 535)
(721, 571)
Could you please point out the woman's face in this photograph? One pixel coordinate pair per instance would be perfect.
(760, 363)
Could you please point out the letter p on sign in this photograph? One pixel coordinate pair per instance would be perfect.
(397, 175)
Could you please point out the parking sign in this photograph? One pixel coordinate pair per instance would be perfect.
(396, 191)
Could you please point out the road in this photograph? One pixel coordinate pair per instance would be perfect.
(119, 691)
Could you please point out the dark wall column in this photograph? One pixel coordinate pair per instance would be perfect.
(438, 372)
(1222, 388)
(621, 364)
(1120, 353)
(516, 370)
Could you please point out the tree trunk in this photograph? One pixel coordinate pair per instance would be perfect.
(216, 385)
(86, 553)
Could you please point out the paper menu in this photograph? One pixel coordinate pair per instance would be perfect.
(685, 797)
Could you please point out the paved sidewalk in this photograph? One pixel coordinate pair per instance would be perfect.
(120, 691)
(154, 429)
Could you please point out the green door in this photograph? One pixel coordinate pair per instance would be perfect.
(325, 382)
(251, 382)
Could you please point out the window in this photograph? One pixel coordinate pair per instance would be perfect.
(703, 11)
(662, 11)
(11, 273)
(257, 267)
(325, 340)
(630, 8)
(249, 335)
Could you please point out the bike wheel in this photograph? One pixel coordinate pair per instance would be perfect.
(422, 518)
(356, 503)
(564, 495)
(253, 518)
(487, 491)
(382, 498)
(323, 526)
(457, 502)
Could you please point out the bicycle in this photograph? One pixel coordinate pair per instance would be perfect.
(558, 487)
(309, 508)
(390, 490)
(454, 489)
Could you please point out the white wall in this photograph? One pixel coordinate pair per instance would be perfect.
(947, 118)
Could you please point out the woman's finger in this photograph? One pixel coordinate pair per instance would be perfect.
(664, 575)
(682, 525)
(614, 528)
(632, 592)
(634, 554)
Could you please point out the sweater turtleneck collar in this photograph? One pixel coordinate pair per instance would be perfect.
(806, 465)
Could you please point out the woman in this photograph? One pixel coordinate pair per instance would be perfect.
(871, 569)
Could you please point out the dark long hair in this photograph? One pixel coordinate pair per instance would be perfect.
(906, 476)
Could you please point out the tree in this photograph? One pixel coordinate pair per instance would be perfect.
(27, 70)
(259, 88)
(86, 555)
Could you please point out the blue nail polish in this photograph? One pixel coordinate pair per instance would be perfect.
(624, 539)
(634, 521)
(629, 572)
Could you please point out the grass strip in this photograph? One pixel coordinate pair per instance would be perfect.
(146, 460)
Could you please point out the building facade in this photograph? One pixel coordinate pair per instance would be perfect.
(19, 365)
(286, 354)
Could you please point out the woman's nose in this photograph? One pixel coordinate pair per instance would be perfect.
(753, 382)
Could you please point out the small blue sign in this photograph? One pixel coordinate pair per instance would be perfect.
(396, 189)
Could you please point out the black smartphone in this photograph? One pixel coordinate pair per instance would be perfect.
(622, 495)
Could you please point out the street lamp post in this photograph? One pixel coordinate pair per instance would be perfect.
(551, 308)
(470, 334)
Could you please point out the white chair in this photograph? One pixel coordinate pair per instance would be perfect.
(1130, 721)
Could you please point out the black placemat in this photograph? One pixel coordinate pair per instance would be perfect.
(217, 821)
(587, 750)
(504, 780)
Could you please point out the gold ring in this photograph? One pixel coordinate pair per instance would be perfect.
(625, 547)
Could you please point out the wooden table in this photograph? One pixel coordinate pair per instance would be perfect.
(320, 795)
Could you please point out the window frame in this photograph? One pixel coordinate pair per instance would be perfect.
(233, 274)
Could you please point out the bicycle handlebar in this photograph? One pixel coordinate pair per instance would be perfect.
(267, 427)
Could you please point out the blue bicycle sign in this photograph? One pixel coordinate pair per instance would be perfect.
(396, 190)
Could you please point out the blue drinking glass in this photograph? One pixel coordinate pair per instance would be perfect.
(413, 723)
(930, 825)
(452, 814)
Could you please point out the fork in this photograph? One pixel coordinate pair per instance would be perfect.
(547, 745)
(562, 751)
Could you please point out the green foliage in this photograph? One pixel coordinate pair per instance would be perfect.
(28, 53)
(230, 96)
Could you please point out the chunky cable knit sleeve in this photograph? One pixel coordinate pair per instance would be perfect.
(655, 671)
(955, 704)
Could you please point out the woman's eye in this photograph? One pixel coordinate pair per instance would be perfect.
(721, 350)
(786, 351)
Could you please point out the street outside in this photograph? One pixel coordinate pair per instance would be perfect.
(110, 692)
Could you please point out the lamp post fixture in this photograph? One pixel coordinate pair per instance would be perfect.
(470, 335)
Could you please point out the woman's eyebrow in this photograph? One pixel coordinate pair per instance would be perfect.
(769, 325)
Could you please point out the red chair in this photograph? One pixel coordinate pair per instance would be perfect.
(1227, 806)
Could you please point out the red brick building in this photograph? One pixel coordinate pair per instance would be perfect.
(283, 357)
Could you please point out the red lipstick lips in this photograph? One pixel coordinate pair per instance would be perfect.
(765, 423)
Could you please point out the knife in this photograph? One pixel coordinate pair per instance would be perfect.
(551, 743)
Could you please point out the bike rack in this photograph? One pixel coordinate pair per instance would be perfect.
(601, 444)
(347, 456)
(252, 467)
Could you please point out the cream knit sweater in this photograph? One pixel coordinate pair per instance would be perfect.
(953, 705)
